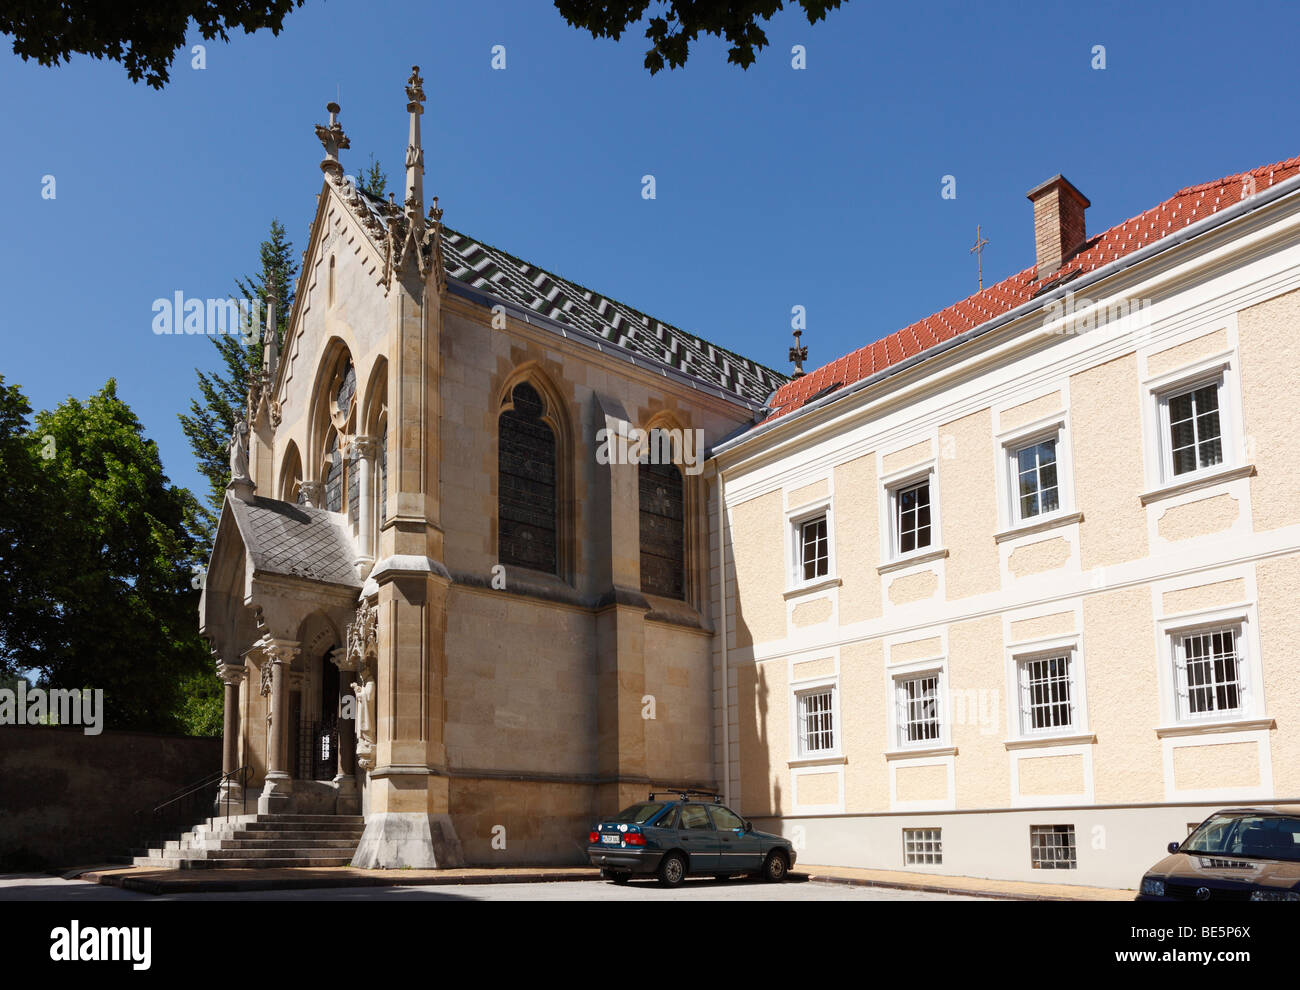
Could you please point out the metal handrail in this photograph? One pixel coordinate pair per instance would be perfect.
(175, 808)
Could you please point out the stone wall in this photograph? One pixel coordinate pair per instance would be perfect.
(69, 799)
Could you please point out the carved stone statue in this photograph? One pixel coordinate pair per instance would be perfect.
(365, 725)
(239, 452)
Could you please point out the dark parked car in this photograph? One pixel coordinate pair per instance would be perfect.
(685, 836)
(1240, 854)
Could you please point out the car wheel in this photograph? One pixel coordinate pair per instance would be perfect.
(774, 868)
(672, 871)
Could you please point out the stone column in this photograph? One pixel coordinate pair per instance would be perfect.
(349, 801)
(367, 452)
(231, 793)
(277, 792)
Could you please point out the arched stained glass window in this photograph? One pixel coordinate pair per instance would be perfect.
(663, 530)
(526, 484)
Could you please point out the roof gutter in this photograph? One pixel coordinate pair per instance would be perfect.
(1226, 215)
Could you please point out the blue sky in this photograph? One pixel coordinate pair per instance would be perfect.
(775, 187)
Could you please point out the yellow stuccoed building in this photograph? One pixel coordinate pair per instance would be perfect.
(1010, 593)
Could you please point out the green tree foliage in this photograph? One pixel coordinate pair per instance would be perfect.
(142, 36)
(222, 393)
(97, 562)
(677, 23)
(374, 179)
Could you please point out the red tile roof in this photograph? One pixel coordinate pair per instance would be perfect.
(1182, 209)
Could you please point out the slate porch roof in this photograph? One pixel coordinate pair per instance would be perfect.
(511, 279)
(1182, 209)
(283, 538)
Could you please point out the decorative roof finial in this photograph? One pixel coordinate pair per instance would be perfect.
(332, 137)
(413, 199)
(798, 354)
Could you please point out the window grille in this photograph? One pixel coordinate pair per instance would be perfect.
(1052, 847)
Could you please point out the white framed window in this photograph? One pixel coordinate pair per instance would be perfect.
(1192, 428)
(810, 545)
(919, 709)
(922, 846)
(1053, 847)
(912, 523)
(1035, 476)
(815, 728)
(912, 506)
(1037, 489)
(1048, 695)
(814, 549)
(1210, 673)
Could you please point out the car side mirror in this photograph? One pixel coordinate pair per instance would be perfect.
(1173, 846)
(749, 826)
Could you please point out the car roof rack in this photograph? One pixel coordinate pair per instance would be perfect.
(686, 793)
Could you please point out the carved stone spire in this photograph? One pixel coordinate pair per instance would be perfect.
(798, 355)
(332, 137)
(414, 197)
(271, 346)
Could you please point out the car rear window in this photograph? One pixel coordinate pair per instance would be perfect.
(1253, 836)
(639, 814)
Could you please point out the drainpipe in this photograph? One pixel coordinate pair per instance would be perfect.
(722, 609)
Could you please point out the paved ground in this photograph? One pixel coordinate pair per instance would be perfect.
(39, 887)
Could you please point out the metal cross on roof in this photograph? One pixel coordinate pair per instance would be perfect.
(978, 250)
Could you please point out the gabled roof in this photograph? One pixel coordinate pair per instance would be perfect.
(1182, 209)
(287, 539)
(498, 273)
(492, 270)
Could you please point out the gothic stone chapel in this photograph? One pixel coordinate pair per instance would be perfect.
(432, 604)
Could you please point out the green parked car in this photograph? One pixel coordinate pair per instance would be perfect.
(689, 834)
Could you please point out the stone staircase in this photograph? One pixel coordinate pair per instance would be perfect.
(261, 842)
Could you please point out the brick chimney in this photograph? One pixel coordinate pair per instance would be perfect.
(1058, 223)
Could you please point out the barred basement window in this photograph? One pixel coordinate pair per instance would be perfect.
(1209, 673)
(526, 484)
(918, 710)
(663, 530)
(1052, 847)
(814, 550)
(816, 722)
(923, 846)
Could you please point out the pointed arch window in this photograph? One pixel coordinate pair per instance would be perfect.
(527, 530)
(663, 530)
(334, 474)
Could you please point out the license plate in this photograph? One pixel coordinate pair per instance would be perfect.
(610, 840)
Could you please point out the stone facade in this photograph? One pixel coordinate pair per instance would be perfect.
(383, 648)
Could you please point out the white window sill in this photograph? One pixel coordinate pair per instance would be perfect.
(1038, 525)
(830, 759)
(915, 557)
(1193, 482)
(1240, 724)
(820, 584)
(1035, 742)
(908, 754)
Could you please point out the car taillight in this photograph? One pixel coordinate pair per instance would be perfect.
(634, 839)
(593, 837)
